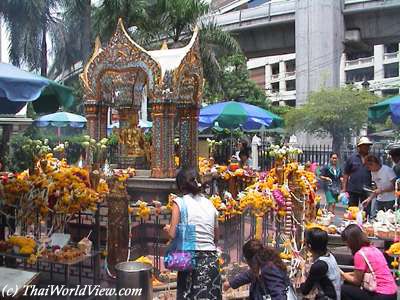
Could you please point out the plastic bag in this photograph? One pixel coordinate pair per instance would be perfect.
(344, 198)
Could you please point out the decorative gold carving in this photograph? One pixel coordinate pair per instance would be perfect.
(164, 46)
(122, 54)
(84, 76)
(188, 77)
(116, 76)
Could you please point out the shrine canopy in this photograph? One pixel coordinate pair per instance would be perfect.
(233, 115)
(17, 87)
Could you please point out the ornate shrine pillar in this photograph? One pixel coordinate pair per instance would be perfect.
(91, 112)
(103, 121)
(188, 136)
(118, 224)
(162, 152)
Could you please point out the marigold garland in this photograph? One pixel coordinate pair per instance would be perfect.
(53, 186)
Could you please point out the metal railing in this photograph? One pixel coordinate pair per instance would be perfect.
(275, 76)
(390, 56)
(290, 74)
(359, 61)
(316, 153)
(266, 11)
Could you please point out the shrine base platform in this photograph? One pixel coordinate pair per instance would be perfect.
(143, 187)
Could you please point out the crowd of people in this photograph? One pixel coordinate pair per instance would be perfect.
(267, 273)
(364, 179)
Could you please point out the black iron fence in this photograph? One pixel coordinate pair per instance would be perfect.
(317, 154)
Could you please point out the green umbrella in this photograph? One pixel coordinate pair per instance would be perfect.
(389, 107)
(232, 115)
(54, 91)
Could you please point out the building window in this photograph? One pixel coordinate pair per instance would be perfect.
(275, 87)
(390, 92)
(359, 75)
(291, 103)
(392, 48)
(258, 75)
(291, 85)
(290, 65)
(391, 70)
(275, 69)
(255, 3)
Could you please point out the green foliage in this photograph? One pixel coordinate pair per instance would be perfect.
(71, 36)
(105, 17)
(77, 107)
(30, 111)
(214, 44)
(339, 112)
(27, 147)
(25, 152)
(28, 22)
(236, 83)
(112, 140)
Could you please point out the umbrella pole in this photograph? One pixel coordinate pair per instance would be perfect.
(59, 133)
(231, 145)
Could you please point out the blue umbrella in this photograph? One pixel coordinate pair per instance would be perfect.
(61, 119)
(232, 114)
(18, 87)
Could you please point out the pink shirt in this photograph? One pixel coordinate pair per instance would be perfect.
(385, 283)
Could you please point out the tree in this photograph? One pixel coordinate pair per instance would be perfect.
(236, 84)
(105, 17)
(28, 23)
(71, 36)
(339, 112)
(173, 21)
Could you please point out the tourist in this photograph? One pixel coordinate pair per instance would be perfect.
(356, 176)
(324, 276)
(307, 166)
(384, 178)
(394, 151)
(267, 275)
(332, 175)
(244, 159)
(204, 282)
(367, 259)
(243, 145)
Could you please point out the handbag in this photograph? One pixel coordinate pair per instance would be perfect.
(369, 280)
(180, 253)
(334, 188)
(290, 292)
(264, 294)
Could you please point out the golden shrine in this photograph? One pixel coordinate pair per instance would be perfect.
(124, 76)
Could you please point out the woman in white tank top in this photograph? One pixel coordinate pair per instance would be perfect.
(204, 282)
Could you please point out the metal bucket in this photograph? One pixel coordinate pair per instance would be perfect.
(134, 281)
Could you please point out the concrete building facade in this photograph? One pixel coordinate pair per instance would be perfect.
(379, 67)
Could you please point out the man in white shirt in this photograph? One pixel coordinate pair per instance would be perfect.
(384, 177)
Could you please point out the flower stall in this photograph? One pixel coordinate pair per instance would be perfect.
(39, 208)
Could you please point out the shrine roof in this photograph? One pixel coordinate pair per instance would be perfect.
(170, 59)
